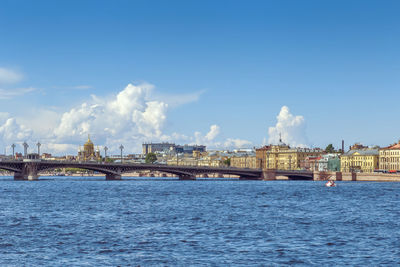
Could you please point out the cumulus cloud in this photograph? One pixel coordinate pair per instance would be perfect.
(129, 115)
(290, 127)
(11, 131)
(209, 137)
(8, 76)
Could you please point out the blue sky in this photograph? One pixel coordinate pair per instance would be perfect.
(232, 64)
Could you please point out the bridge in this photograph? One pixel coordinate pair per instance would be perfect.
(30, 169)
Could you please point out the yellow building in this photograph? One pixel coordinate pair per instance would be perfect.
(88, 153)
(283, 157)
(244, 161)
(190, 161)
(389, 158)
(360, 160)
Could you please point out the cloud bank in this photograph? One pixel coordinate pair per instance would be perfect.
(292, 129)
(131, 117)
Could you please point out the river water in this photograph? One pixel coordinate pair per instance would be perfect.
(80, 222)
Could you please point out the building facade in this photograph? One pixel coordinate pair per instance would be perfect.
(360, 160)
(283, 157)
(261, 156)
(244, 161)
(389, 158)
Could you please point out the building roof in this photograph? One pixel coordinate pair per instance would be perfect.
(363, 152)
(394, 146)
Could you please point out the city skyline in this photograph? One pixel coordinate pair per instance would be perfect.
(222, 75)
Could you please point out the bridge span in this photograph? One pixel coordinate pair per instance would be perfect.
(30, 169)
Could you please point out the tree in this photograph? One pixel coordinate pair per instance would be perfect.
(109, 160)
(151, 158)
(330, 149)
(227, 162)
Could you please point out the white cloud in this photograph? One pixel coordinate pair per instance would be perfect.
(213, 133)
(237, 143)
(178, 100)
(8, 76)
(210, 139)
(290, 127)
(59, 149)
(82, 87)
(10, 93)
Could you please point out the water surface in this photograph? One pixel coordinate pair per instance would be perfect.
(89, 221)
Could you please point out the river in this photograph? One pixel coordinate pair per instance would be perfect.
(81, 221)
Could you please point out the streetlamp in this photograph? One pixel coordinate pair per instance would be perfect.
(25, 148)
(105, 153)
(38, 148)
(13, 147)
(121, 147)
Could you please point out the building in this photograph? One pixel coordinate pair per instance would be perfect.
(157, 148)
(244, 161)
(310, 163)
(360, 160)
(283, 157)
(188, 149)
(389, 158)
(325, 162)
(46, 156)
(334, 164)
(170, 148)
(88, 153)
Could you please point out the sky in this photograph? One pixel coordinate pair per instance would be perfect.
(226, 74)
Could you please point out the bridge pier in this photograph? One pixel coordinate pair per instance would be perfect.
(187, 177)
(113, 176)
(19, 176)
(29, 173)
(269, 175)
(250, 178)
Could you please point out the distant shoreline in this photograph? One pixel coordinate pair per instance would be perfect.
(337, 176)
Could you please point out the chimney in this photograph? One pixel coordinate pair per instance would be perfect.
(342, 146)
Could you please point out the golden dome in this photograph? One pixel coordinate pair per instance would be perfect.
(88, 152)
(89, 141)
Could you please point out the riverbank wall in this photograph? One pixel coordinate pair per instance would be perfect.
(352, 176)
